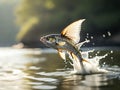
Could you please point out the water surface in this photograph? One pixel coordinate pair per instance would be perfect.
(43, 69)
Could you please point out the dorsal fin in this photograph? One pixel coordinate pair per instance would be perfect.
(72, 31)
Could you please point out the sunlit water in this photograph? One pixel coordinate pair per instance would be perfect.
(39, 69)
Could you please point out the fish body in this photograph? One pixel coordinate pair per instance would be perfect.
(68, 41)
(60, 43)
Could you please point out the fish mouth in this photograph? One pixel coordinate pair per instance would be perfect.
(43, 39)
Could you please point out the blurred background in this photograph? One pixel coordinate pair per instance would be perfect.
(23, 22)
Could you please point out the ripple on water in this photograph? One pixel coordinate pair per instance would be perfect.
(41, 87)
(34, 68)
(42, 79)
(52, 73)
(25, 72)
(43, 83)
(11, 75)
(95, 80)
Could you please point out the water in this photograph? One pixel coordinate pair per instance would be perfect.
(43, 69)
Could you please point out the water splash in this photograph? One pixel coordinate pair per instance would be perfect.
(109, 34)
(111, 51)
(91, 37)
(91, 64)
(104, 35)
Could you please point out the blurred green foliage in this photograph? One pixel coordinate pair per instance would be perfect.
(38, 17)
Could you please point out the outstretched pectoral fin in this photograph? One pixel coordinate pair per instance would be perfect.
(62, 54)
(73, 56)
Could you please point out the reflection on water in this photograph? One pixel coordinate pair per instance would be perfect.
(36, 69)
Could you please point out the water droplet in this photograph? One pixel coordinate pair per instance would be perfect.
(104, 63)
(104, 35)
(111, 51)
(86, 39)
(87, 34)
(111, 57)
(93, 43)
(91, 37)
(90, 56)
(98, 52)
(109, 34)
(106, 54)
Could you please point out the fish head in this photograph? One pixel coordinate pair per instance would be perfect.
(51, 40)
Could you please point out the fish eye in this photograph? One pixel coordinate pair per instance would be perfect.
(52, 39)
